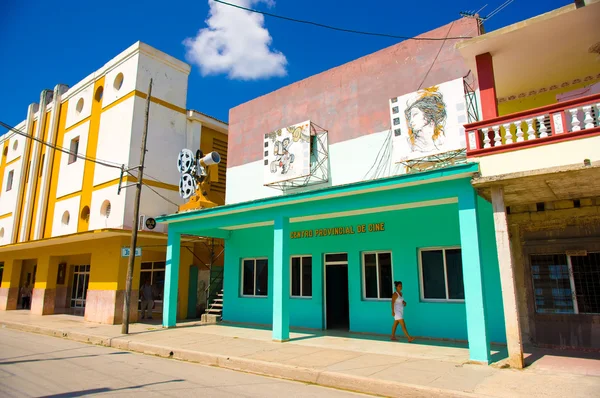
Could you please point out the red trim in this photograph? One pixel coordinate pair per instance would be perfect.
(536, 142)
(530, 113)
(487, 85)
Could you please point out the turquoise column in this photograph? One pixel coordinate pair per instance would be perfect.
(171, 279)
(479, 343)
(281, 279)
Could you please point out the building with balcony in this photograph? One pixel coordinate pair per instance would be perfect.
(347, 181)
(63, 219)
(537, 147)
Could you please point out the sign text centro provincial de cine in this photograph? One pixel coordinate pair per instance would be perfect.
(348, 230)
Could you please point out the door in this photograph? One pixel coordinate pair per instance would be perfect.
(81, 277)
(337, 306)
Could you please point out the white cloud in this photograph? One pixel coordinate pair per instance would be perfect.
(235, 42)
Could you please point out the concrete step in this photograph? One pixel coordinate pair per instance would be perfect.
(210, 318)
(214, 311)
(217, 305)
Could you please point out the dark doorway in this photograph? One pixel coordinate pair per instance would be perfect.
(336, 288)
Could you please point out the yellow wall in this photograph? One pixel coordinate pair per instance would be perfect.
(536, 101)
(92, 146)
(208, 135)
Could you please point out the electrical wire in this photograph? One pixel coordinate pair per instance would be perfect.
(436, 57)
(105, 163)
(340, 29)
(159, 194)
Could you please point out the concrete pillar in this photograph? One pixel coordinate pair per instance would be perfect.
(507, 279)
(171, 278)
(487, 86)
(281, 279)
(9, 291)
(44, 292)
(479, 342)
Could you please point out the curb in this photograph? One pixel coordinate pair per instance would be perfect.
(322, 378)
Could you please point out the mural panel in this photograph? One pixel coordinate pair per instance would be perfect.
(429, 122)
(287, 153)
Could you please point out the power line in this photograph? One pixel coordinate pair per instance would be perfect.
(105, 163)
(341, 29)
(159, 194)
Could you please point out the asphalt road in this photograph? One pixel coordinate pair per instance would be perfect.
(39, 366)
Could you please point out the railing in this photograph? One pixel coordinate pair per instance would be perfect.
(578, 117)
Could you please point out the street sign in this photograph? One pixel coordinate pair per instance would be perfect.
(150, 223)
(126, 250)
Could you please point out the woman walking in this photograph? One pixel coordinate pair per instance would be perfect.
(398, 305)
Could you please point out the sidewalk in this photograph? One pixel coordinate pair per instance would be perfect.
(354, 362)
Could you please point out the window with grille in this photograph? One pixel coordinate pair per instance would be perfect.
(565, 284)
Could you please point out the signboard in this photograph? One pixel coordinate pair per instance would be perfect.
(336, 231)
(126, 250)
(150, 223)
(428, 122)
(287, 153)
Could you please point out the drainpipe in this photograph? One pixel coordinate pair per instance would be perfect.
(33, 108)
(35, 159)
(47, 174)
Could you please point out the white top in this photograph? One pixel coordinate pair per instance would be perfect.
(399, 305)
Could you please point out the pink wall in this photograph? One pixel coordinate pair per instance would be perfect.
(351, 100)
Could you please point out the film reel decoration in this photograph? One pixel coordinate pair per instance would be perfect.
(193, 170)
(186, 161)
(187, 186)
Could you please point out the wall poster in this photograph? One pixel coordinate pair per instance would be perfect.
(287, 153)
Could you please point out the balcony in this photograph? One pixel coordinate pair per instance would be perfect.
(558, 122)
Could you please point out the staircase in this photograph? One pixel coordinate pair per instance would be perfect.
(214, 297)
(214, 313)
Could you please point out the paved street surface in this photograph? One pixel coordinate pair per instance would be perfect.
(39, 366)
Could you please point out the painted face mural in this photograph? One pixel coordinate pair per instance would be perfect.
(426, 119)
(428, 122)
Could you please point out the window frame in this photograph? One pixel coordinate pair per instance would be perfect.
(73, 156)
(301, 256)
(363, 276)
(421, 284)
(572, 284)
(254, 259)
(10, 180)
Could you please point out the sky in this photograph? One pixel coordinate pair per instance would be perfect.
(235, 55)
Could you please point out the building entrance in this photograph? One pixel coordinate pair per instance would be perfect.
(337, 306)
(81, 278)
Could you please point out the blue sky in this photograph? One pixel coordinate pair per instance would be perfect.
(45, 43)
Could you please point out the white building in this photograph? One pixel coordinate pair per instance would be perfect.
(63, 213)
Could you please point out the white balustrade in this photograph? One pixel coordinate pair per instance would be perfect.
(588, 119)
(554, 122)
(542, 126)
(486, 137)
(520, 137)
(497, 136)
(575, 123)
(530, 130)
(507, 134)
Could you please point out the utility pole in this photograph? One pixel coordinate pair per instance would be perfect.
(136, 216)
